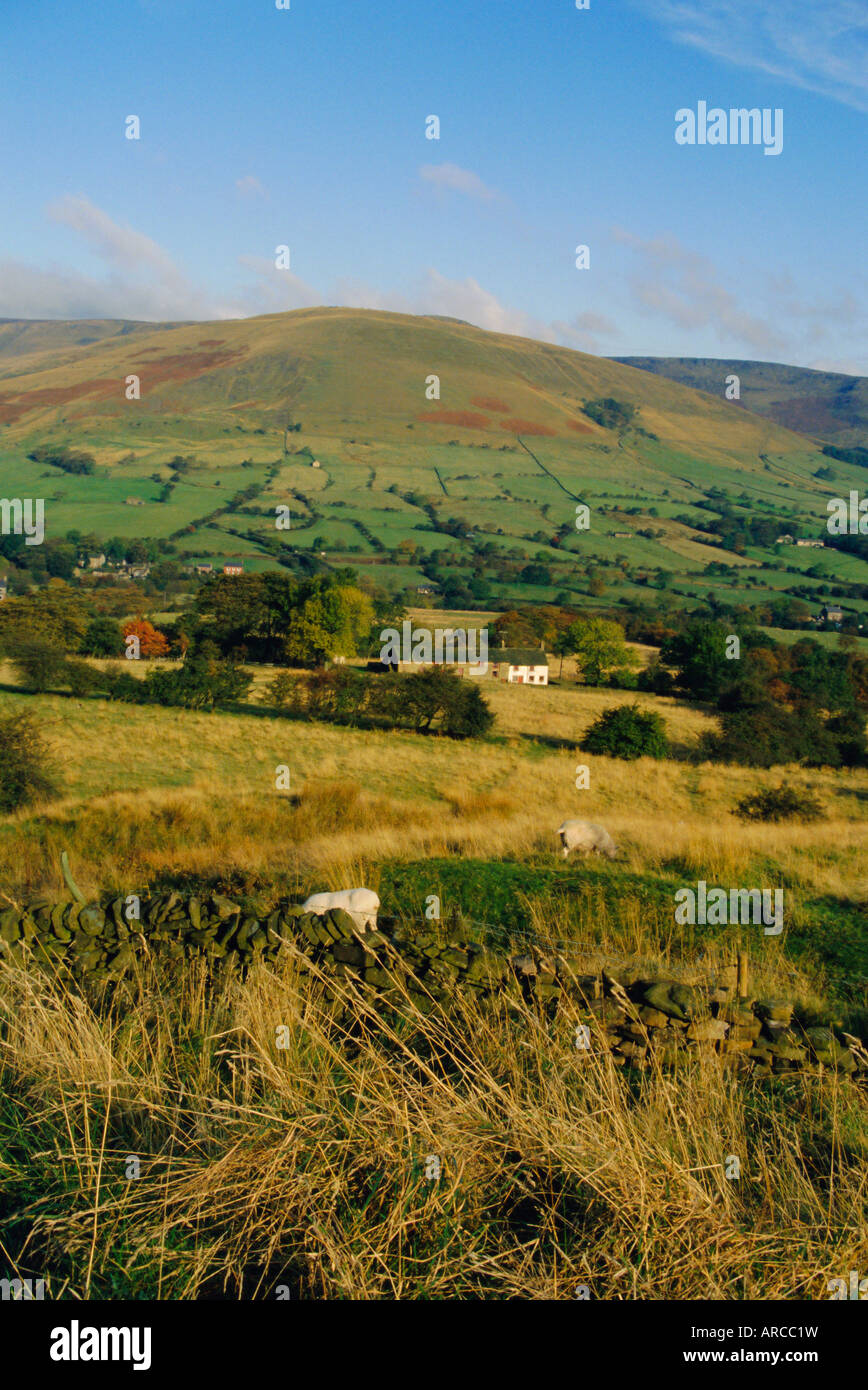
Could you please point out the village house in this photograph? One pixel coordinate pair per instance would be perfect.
(520, 665)
(831, 613)
(233, 567)
(204, 569)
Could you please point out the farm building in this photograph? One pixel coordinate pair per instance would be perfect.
(814, 545)
(831, 613)
(520, 665)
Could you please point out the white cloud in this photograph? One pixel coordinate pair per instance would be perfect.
(458, 180)
(123, 246)
(141, 279)
(820, 46)
(435, 293)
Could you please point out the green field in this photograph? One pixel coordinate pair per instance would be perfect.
(396, 467)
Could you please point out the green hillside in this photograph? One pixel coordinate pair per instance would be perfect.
(830, 406)
(487, 477)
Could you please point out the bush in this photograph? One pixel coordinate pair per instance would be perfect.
(203, 682)
(39, 663)
(780, 803)
(768, 734)
(656, 679)
(610, 413)
(102, 638)
(623, 679)
(433, 700)
(627, 732)
(24, 763)
(83, 679)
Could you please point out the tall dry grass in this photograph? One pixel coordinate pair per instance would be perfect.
(304, 1166)
(263, 1166)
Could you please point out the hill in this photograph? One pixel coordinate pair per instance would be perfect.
(485, 477)
(830, 406)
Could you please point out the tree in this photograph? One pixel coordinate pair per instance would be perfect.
(563, 646)
(152, 642)
(25, 759)
(610, 413)
(40, 663)
(699, 653)
(102, 638)
(535, 574)
(598, 645)
(434, 700)
(626, 731)
(203, 682)
(56, 614)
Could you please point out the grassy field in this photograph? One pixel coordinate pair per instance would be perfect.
(303, 1168)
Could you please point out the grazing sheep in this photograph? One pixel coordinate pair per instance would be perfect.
(360, 903)
(587, 838)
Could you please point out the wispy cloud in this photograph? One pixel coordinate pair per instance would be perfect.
(140, 279)
(683, 287)
(452, 178)
(250, 187)
(820, 46)
(121, 245)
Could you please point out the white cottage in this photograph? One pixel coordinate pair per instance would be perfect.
(519, 665)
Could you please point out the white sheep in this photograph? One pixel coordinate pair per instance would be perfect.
(587, 838)
(361, 903)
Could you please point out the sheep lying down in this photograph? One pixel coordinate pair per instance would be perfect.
(587, 838)
(361, 903)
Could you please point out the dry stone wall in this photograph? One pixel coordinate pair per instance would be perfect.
(640, 1022)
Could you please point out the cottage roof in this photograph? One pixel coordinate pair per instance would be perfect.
(518, 656)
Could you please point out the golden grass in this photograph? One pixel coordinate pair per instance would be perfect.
(300, 1166)
(304, 1166)
(148, 790)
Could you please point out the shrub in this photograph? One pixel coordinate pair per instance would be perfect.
(656, 679)
(83, 679)
(102, 638)
(39, 663)
(780, 803)
(203, 682)
(24, 762)
(623, 679)
(627, 732)
(433, 700)
(768, 734)
(610, 413)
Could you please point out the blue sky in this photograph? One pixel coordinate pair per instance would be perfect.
(262, 127)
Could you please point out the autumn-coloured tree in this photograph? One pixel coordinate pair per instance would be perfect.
(152, 642)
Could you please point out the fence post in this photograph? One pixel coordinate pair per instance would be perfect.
(742, 975)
